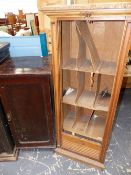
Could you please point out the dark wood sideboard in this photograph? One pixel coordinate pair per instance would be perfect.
(25, 94)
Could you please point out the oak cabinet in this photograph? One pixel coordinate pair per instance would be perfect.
(27, 102)
(89, 52)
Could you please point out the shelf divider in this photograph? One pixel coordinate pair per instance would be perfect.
(83, 62)
(86, 35)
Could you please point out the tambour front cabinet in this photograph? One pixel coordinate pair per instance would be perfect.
(90, 46)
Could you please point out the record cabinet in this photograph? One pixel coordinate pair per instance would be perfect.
(90, 45)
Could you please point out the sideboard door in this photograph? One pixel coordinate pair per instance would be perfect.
(27, 102)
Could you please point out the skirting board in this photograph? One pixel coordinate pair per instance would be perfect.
(9, 157)
(80, 158)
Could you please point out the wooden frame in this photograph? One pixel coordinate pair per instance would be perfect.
(10, 157)
(92, 148)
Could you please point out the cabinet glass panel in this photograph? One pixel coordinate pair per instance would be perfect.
(91, 47)
(84, 123)
(89, 56)
(82, 89)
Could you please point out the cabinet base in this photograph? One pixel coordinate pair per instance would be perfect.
(80, 158)
(9, 157)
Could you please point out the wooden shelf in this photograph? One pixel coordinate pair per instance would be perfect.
(83, 49)
(87, 86)
(70, 96)
(104, 67)
(83, 117)
(91, 126)
(85, 66)
(70, 64)
(102, 103)
(96, 126)
(84, 90)
(107, 68)
(81, 124)
(84, 122)
(86, 99)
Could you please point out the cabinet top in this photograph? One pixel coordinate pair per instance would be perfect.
(93, 8)
(26, 66)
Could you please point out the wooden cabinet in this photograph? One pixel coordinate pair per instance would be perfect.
(26, 99)
(89, 52)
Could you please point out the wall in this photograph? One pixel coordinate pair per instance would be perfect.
(27, 6)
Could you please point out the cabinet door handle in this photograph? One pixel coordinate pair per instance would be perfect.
(9, 116)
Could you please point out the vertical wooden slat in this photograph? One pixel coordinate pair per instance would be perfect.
(85, 33)
(56, 42)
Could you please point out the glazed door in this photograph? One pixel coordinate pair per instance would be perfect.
(27, 102)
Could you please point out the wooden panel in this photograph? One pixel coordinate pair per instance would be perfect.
(10, 157)
(66, 44)
(81, 146)
(74, 42)
(109, 32)
(28, 109)
(70, 45)
(56, 33)
(100, 1)
(69, 86)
